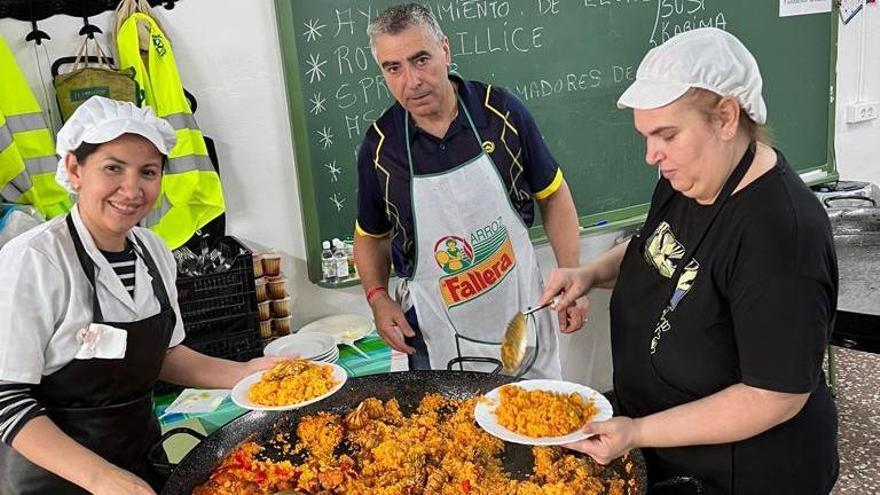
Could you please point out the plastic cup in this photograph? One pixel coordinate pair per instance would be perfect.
(262, 289)
(281, 307)
(266, 329)
(264, 310)
(281, 326)
(258, 265)
(277, 287)
(271, 264)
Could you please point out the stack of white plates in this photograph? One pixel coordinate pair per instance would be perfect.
(345, 328)
(310, 346)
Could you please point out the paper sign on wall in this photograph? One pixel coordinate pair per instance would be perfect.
(803, 7)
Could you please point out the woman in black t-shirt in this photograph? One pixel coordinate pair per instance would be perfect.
(724, 303)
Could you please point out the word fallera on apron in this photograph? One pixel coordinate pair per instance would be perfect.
(104, 404)
(475, 266)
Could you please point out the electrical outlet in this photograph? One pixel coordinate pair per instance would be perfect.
(862, 111)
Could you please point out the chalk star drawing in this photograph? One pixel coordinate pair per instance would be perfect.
(337, 201)
(334, 170)
(326, 137)
(313, 29)
(315, 72)
(317, 102)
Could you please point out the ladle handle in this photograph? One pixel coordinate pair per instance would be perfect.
(538, 308)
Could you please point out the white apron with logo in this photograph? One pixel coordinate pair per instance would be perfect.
(475, 267)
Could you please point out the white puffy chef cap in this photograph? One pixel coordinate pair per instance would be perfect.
(99, 120)
(707, 58)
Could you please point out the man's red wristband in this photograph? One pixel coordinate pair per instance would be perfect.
(374, 291)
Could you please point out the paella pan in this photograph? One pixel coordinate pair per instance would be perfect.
(407, 389)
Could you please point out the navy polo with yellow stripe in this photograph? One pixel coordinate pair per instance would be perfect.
(507, 132)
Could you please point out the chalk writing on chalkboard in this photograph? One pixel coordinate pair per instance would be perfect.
(338, 201)
(326, 137)
(318, 103)
(677, 16)
(314, 71)
(313, 29)
(333, 170)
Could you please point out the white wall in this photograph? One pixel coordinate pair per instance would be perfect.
(234, 68)
(858, 144)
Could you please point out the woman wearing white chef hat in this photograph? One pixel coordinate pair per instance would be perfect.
(724, 302)
(89, 318)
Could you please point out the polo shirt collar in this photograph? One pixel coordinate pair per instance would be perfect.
(471, 98)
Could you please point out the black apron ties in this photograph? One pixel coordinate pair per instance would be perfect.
(104, 404)
(634, 347)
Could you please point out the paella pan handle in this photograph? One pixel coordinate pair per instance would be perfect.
(498, 364)
(676, 482)
(476, 359)
(831, 199)
(155, 455)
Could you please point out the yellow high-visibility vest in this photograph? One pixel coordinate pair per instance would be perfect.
(27, 148)
(191, 192)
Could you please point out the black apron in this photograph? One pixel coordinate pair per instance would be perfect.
(104, 404)
(631, 345)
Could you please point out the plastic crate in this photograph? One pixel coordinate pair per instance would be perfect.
(218, 308)
(208, 328)
(238, 279)
(220, 303)
(239, 346)
(219, 312)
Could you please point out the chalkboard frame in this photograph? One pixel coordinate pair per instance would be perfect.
(589, 224)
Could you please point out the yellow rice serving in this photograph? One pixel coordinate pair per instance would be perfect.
(292, 382)
(540, 413)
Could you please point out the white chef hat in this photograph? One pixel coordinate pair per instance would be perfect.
(707, 58)
(99, 120)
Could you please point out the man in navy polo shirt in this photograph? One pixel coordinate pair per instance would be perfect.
(448, 178)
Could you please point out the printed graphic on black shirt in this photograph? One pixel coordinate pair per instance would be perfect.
(663, 251)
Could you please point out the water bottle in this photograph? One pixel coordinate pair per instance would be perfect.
(328, 264)
(349, 251)
(341, 260)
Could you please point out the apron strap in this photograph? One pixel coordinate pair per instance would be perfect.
(726, 192)
(462, 108)
(153, 270)
(88, 266)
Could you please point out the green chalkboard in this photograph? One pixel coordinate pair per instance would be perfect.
(568, 60)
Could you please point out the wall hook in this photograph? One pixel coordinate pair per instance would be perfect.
(89, 29)
(36, 35)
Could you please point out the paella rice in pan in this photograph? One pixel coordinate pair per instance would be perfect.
(377, 449)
